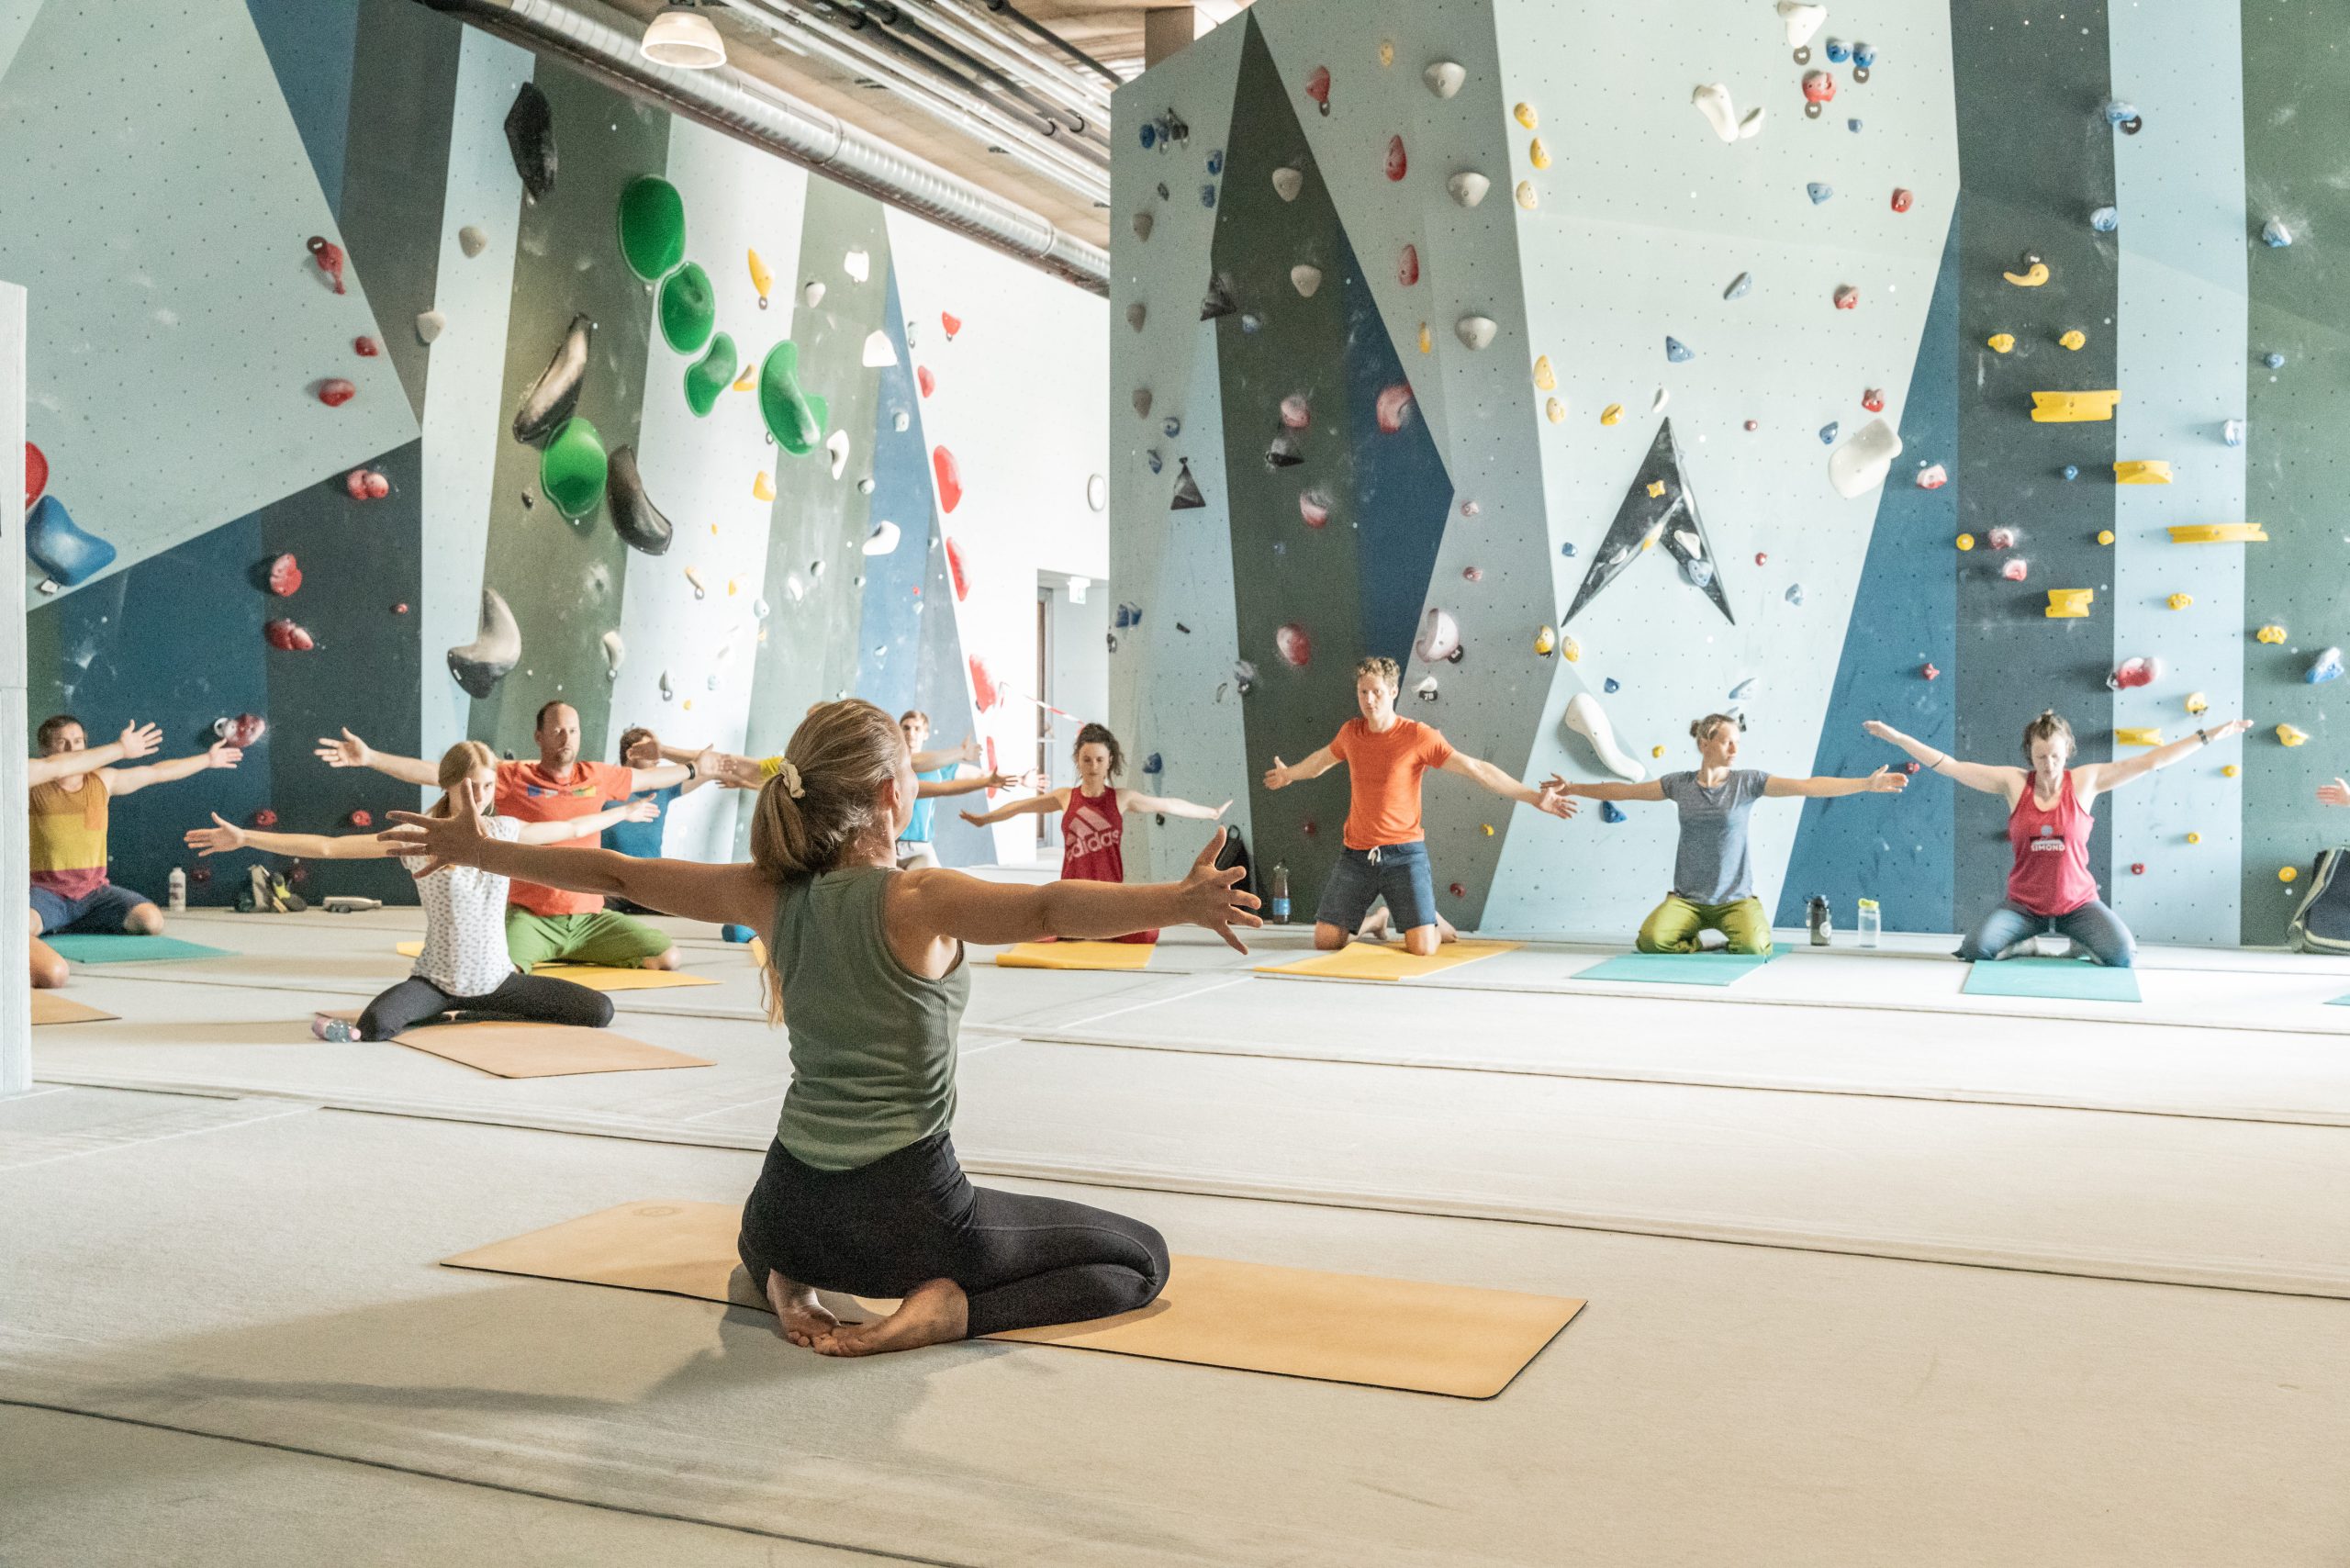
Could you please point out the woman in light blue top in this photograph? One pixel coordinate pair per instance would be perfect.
(861, 1191)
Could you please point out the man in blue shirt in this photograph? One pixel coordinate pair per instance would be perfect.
(643, 839)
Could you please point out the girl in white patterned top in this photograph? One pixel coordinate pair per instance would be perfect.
(465, 967)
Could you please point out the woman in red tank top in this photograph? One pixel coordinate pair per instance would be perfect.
(2050, 886)
(1093, 813)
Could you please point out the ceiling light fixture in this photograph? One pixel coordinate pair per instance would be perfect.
(682, 36)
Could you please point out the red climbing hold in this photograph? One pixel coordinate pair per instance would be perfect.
(334, 392)
(328, 255)
(2135, 672)
(367, 484)
(1874, 399)
(1908, 768)
(1314, 506)
(1847, 297)
(2015, 571)
(1394, 407)
(1761, 558)
(1296, 413)
(1296, 647)
(984, 691)
(1818, 87)
(265, 818)
(365, 348)
(925, 380)
(950, 478)
(241, 731)
(362, 818)
(1397, 164)
(1473, 573)
(286, 637)
(1317, 88)
(2003, 538)
(1459, 891)
(954, 570)
(2137, 868)
(1307, 827)
(1930, 672)
(952, 324)
(1408, 266)
(400, 609)
(1753, 424)
(1901, 199)
(36, 475)
(284, 574)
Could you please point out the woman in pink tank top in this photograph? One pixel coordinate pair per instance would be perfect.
(2050, 886)
(1093, 813)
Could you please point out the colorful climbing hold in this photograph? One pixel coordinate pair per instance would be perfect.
(284, 575)
(2273, 360)
(2002, 538)
(762, 278)
(2068, 604)
(1314, 508)
(287, 637)
(2072, 407)
(1528, 197)
(1872, 400)
(2326, 666)
(334, 392)
(1676, 352)
(1819, 191)
(2071, 471)
(2016, 570)
(651, 220)
(572, 469)
(795, 417)
(2270, 634)
(2142, 471)
(2106, 219)
(2134, 672)
(2196, 702)
(1903, 198)
(1295, 647)
(366, 485)
(1527, 116)
(1393, 407)
(1398, 165)
(2075, 340)
(1847, 297)
(1966, 541)
(1554, 410)
(1818, 88)
(1738, 285)
(958, 570)
(1546, 643)
(1611, 813)
(328, 256)
(985, 693)
(1545, 378)
(950, 323)
(1933, 478)
(365, 347)
(1612, 414)
(762, 487)
(1317, 88)
(1537, 154)
(2001, 343)
(709, 376)
(928, 383)
(949, 476)
(2273, 233)
(688, 306)
(2180, 601)
(2287, 735)
(2034, 273)
(1828, 433)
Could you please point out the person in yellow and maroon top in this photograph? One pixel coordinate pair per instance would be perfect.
(548, 924)
(73, 784)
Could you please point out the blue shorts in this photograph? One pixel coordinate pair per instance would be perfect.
(100, 912)
(1397, 872)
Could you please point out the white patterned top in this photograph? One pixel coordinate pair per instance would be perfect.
(465, 922)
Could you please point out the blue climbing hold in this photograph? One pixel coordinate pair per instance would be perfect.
(2273, 360)
(1697, 572)
(1794, 593)
(737, 933)
(1610, 813)
(2072, 472)
(1207, 195)
(1738, 288)
(1739, 692)
(2117, 112)
(1819, 191)
(1863, 55)
(1129, 614)
(1216, 161)
(1853, 125)
(1151, 763)
(1173, 427)
(1156, 461)
(70, 557)
(1149, 135)
(1839, 52)
(1567, 549)
(2275, 234)
(2106, 219)
(1614, 686)
(1677, 351)
(1251, 322)
(1828, 433)
(2327, 668)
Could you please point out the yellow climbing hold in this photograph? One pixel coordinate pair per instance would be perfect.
(732, 586)
(2142, 471)
(2272, 632)
(1656, 751)
(1569, 649)
(2069, 604)
(1527, 116)
(2286, 873)
(763, 487)
(1554, 410)
(2220, 533)
(2194, 838)
(2075, 340)
(1966, 542)
(1537, 154)
(761, 278)
(747, 382)
(1656, 488)
(1488, 827)
(2030, 277)
(1543, 378)
(2196, 702)
(2001, 343)
(2288, 736)
(2072, 407)
(1528, 197)
(2229, 771)
(1546, 643)
(2179, 600)
(2105, 536)
(2139, 734)
(1612, 415)
(1427, 344)
(1387, 53)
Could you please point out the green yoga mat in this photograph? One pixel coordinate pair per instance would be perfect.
(129, 949)
(1676, 968)
(2068, 978)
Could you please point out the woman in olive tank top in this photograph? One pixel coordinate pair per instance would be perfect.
(861, 1191)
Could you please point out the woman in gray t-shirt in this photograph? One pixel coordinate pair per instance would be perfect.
(1713, 875)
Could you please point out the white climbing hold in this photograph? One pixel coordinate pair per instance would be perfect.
(813, 294)
(1713, 101)
(1751, 125)
(668, 692)
(759, 611)
(865, 485)
(1477, 331)
(1426, 690)
(1444, 77)
(1586, 718)
(1142, 224)
(1468, 187)
(1802, 21)
(793, 588)
(1656, 405)
(880, 351)
(858, 264)
(1287, 183)
(1306, 280)
(1439, 637)
(836, 446)
(430, 325)
(1528, 197)
(472, 240)
(1861, 464)
(615, 654)
(883, 539)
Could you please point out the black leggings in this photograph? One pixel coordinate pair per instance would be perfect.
(532, 999)
(883, 1228)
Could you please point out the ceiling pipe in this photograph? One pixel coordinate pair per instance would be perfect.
(975, 60)
(998, 9)
(1006, 53)
(730, 101)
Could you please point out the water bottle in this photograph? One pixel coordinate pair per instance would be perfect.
(1869, 922)
(1280, 912)
(1820, 920)
(179, 892)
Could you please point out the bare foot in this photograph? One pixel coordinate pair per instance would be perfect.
(1444, 931)
(799, 1317)
(1374, 926)
(934, 1312)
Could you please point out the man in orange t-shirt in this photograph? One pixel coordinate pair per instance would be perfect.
(1386, 852)
(547, 924)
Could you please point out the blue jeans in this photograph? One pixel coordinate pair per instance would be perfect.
(2092, 926)
(1397, 872)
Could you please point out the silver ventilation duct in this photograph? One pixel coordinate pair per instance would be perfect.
(732, 102)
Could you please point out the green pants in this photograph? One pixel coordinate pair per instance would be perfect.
(1673, 925)
(608, 940)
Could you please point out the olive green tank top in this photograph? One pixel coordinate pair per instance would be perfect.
(872, 1045)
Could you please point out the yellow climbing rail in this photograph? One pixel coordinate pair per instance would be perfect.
(2219, 534)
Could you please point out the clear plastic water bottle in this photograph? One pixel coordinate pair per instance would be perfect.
(178, 898)
(1870, 923)
(1279, 913)
(1820, 920)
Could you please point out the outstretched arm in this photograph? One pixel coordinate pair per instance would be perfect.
(942, 905)
(643, 778)
(1170, 806)
(946, 756)
(587, 827)
(1035, 805)
(1980, 775)
(1545, 799)
(1884, 781)
(1281, 775)
(350, 751)
(2334, 794)
(2102, 776)
(1653, 789)
(931, 789)
(129, 780)
(137, 740)
(225, 836)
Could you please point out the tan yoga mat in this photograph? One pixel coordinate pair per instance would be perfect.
(1405, 1334)
(598, 977)
(535, 1051)
(1076, 955)
(50, 1008)
(1373, 961)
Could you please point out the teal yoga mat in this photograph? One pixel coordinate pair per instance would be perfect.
(2068, 978)
(128, 949)
(1676, 968)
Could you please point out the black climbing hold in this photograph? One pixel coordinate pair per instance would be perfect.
(1283, 451)
(1187, 491)
(1218, 301)
(634, 517)
(529, 137)
(556, 394)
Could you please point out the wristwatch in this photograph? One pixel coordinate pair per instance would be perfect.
(2203, 735)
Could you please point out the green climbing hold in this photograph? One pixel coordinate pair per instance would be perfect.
(652, 227)
(709, 376)
(794, 419)
(572, 468)
(688, 309)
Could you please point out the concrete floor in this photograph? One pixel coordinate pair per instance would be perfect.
(1877, 1272)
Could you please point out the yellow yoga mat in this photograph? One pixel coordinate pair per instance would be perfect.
(1076, 955)
(508, 1050)
(1405, 1334)
(50, 1008)
(595, 977)
(1368, 960)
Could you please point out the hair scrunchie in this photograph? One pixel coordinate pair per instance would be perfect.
(789, 772)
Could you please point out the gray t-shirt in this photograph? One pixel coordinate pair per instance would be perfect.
(1712, 865)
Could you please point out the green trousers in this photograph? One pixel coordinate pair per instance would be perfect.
(1673, 925)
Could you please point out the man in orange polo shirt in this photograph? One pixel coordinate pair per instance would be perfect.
(1386, 852)
(548, 924)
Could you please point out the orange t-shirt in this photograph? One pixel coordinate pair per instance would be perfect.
(527, 793)
(1383, 771)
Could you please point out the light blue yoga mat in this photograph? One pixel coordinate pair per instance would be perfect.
(2068, 978)
(2340, 1001)
(1676, 968)
(129, 949)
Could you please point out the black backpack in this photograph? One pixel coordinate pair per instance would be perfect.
(2323, 922)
